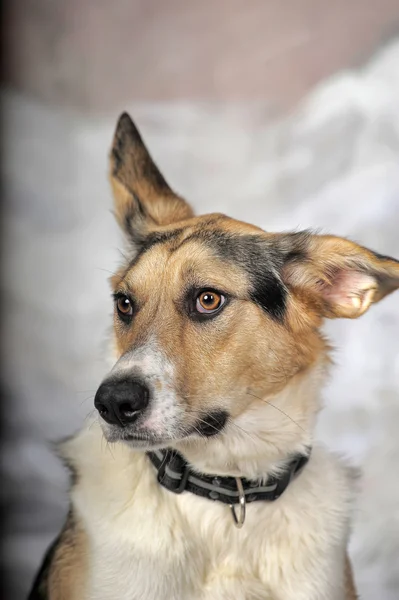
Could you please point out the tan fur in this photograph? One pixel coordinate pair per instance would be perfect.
(67, 578)
(262, 360)
(225, 352)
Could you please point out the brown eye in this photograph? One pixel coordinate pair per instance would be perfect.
(124, 306)
(209, 302)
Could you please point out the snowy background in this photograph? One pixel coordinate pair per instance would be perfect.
(331, 162)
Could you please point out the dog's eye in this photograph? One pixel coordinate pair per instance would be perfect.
(124, 306)
(209, 302)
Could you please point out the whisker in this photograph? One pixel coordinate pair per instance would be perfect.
(243, 430)
(86, 399)
(277, 408)
(201, 435)
(109, 449)
(106, 271)
(123, 255)
(89, 416)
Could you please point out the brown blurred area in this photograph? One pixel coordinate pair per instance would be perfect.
(156, 50)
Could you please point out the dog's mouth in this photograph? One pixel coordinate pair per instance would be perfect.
(209, 425)
(136, 439)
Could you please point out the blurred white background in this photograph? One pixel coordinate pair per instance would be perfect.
(284, 114)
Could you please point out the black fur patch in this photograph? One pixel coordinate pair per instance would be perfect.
(212, 423)
(117, 153)
(269, 293)
(126, 134)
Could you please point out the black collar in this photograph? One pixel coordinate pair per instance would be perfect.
(175, 474)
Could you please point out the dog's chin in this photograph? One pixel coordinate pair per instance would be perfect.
(143, 440)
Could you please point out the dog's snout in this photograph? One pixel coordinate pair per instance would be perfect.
(120, 402)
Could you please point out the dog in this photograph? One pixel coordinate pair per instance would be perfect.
(210, 485)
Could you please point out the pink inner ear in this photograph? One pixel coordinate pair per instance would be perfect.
(347, 288)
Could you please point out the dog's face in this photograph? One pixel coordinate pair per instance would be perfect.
(214, 317)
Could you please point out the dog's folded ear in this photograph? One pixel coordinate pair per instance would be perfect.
(143, 199)
(342, 278)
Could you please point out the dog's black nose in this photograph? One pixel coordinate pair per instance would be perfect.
(121, 401)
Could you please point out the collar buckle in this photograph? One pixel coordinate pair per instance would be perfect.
(171, 467)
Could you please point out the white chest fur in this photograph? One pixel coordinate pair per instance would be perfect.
(149, 544)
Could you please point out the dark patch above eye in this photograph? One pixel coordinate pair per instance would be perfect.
(270, 294)
(259, 258)
(212, 423)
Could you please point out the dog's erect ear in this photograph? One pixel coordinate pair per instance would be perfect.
(343, 278)
(143, 199)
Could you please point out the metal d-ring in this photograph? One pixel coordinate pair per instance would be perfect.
(239, 521)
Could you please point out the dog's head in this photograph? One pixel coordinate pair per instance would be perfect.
(217, 321)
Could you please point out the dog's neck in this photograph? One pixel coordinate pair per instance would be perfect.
(259, 442)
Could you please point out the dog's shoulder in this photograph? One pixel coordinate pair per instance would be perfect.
(62, 573)
(40, 587)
